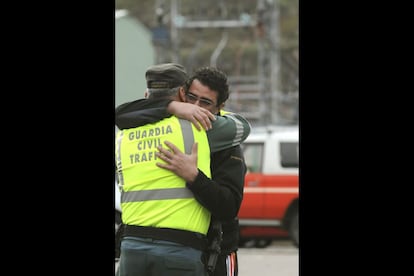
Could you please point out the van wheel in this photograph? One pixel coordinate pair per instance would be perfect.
(294, 229)
(262, 243)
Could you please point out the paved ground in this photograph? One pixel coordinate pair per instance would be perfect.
(280, 258)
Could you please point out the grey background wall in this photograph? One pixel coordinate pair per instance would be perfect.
(134, 53)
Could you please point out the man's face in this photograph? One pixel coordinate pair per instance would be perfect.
(201, 95)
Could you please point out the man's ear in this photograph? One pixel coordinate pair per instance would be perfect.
(220, 108)
(146, 94)
(181, 94)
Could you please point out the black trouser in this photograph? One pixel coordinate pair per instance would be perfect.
(227, 265)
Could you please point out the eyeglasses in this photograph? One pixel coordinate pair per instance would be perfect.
(202, 101)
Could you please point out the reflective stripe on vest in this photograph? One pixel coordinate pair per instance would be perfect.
(174, 193)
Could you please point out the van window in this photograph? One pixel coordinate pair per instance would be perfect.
(289, 154)
(253, 155)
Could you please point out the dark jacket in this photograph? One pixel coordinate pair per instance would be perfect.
(222, 195)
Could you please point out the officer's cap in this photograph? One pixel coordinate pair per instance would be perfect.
(165, 76)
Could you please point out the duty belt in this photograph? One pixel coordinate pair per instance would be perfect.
(187, 238)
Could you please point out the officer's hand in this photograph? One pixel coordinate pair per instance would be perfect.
(192, 112)
(183, 165)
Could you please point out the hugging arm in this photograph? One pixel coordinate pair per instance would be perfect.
(222, 195)
(141, 112)
(146, 111)
(227, 130)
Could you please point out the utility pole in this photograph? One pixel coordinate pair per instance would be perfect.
(174, 30)
(268, 57)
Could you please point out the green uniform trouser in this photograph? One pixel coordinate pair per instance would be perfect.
(149, 257)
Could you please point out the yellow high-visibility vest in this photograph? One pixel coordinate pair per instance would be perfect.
(152, 196)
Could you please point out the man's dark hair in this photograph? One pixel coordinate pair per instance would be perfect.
(213, 78)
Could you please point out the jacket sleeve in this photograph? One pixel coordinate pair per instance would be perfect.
(228, 130)
(222, 195)
(141, 112)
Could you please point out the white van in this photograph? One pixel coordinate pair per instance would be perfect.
(270, 206)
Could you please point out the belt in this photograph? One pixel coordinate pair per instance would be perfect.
(192, 239)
